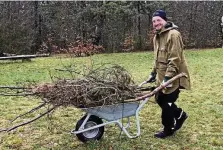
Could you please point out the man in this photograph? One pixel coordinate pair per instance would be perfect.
(169, 61)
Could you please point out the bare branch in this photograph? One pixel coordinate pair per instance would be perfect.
(31, 111)
(23, 94)
(13, 87)
(28, 122)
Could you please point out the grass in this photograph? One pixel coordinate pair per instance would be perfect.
(204, 104)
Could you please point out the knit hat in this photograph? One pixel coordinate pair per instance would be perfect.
(160, 13)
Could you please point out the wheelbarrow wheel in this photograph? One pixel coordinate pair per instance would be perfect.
(94, 134)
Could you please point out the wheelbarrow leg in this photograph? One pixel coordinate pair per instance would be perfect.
(137, 121)
(124, 129)
(127, 125)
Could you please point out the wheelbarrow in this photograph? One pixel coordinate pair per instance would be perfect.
(91, 126)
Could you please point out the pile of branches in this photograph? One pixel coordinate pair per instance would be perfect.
(102, 86)
(99, 87)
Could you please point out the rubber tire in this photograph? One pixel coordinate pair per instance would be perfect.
(94, 119)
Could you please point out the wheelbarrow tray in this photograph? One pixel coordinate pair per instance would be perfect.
(114, 112)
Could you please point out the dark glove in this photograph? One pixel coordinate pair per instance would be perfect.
(166, 78)
(152, 78)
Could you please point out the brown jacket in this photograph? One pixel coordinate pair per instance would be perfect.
(169, 57)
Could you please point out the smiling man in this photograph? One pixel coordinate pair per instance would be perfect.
(169, 61)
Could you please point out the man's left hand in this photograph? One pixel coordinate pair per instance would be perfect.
(165, 80)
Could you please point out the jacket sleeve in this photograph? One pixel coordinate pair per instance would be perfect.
(154, 68)
(154, 63)
(174, 55)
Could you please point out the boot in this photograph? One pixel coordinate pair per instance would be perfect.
(180, 121)
(163, 134)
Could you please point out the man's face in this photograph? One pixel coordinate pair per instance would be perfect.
(158, 22)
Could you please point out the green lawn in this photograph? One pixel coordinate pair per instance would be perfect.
(204, 104)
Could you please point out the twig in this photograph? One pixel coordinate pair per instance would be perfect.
(13, 87)
(34, 109)
(69, 71)
(30, 121)
(24, 94)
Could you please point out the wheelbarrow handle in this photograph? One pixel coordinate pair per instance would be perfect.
(141, 84)
(162, 86)
(145, 82)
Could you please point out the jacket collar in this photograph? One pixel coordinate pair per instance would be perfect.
(167, 27)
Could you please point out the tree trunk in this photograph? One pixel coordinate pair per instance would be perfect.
(37, 26)
(139, 45)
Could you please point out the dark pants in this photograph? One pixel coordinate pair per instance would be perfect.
(169, 111)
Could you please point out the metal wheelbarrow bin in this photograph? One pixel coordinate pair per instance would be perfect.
(91, 126)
